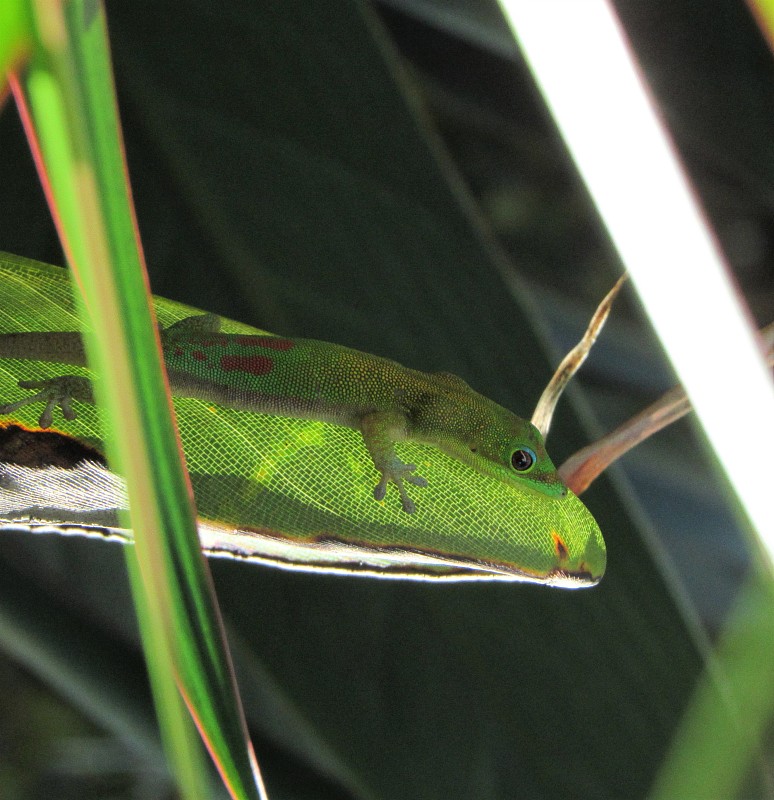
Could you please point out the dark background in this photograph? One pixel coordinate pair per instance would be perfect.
(385, 176)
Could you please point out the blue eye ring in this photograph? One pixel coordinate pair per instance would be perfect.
(523, 459)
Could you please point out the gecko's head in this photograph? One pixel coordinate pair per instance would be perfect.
(489, 438)
(514, 452)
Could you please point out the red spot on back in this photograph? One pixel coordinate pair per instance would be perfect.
(270, 342)
(254, 365)
(197, 355)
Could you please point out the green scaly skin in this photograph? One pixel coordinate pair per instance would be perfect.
(308, 379)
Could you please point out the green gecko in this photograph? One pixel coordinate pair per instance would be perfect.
(307, 379)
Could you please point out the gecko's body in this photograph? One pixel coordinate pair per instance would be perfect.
(308, 379)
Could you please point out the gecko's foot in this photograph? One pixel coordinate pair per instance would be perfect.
(54, 392)
(398, 472)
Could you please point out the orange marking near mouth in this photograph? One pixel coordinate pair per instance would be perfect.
(560, 546)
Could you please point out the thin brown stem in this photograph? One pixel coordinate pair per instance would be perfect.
(544, 411)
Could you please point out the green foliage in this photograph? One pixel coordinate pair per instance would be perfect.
(67, 96)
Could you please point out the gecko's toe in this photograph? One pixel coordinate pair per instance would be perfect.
(67, 410)
(380, 490)
(47, 417)
(406, 502)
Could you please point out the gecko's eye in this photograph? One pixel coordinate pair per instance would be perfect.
(523, 459)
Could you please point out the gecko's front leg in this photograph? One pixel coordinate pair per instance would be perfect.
(379, 432)
(54, 392)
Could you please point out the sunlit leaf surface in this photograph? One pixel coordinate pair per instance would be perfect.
(300, 492)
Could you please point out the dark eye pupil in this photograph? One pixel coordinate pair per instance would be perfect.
(521, 460)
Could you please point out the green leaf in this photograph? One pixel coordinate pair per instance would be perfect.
(15, 36)
(300, 492)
